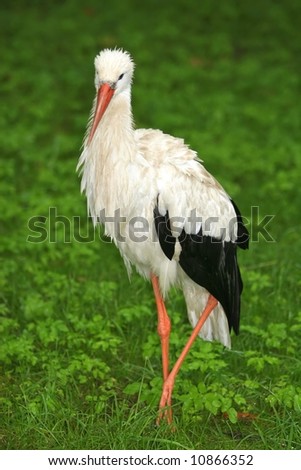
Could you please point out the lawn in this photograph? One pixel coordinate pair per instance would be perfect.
(80, 364)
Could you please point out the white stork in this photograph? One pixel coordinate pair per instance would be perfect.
(167, 215)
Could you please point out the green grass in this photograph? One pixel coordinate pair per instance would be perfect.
(79, 354)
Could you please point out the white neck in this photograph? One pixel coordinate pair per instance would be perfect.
(104, 160)
(115, 128)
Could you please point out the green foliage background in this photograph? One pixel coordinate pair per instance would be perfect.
(79, 354)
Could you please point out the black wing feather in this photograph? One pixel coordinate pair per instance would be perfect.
(209, 262)
(212, 264)
(166, 240)
(242, 232)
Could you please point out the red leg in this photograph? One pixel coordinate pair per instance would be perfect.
(164, 332)
(169, 382)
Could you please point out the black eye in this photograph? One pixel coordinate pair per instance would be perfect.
(120, 76)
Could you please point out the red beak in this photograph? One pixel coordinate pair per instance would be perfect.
(104, 97)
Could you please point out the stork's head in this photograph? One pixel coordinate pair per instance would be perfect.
(113, 75)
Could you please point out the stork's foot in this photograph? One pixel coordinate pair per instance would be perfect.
(165, 411)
